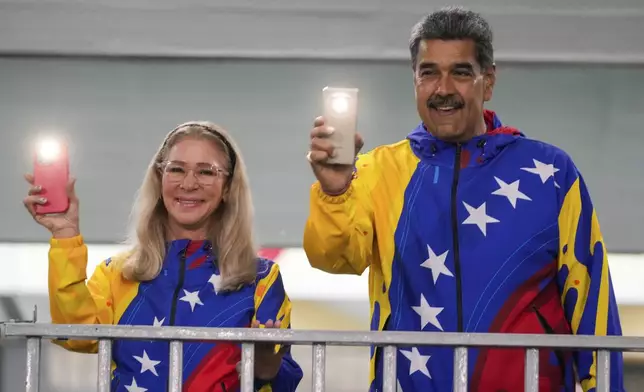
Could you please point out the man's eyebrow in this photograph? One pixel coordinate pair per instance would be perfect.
(461, 65)
(466, 65)
(427, 65)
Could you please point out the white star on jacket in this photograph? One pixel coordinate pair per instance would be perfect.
(436, 264)
(215, 281)
(479, 217)
(544, 171)
(192, 298)
(417, 362)
(134, 387)
(511, 191)
(147, 364)
(157, 322)
(428, 314)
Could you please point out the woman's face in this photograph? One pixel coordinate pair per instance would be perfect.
(193, 183)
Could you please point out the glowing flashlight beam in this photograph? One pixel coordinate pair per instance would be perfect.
(49, 149)
(340, 103)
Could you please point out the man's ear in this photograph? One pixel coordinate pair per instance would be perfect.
(413, 76)
(490, 81)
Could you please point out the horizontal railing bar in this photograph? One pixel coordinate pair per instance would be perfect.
(333, 338)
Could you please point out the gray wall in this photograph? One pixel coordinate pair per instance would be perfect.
(116, 112)
(526, 30)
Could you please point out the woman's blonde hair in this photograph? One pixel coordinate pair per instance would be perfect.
(230, 231)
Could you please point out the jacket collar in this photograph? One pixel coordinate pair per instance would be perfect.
(177, 247)
(474, 152)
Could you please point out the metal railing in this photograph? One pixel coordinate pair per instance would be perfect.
(105, 334)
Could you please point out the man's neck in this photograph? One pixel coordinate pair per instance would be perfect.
(478, 130)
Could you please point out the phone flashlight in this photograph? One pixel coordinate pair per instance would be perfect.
(51, 173)
(48, 150)
(340, 103)
(340, 113)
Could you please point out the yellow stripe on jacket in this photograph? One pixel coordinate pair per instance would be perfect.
(578, 218)
(341, 231)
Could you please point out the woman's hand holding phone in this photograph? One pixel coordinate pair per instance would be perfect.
(64, 225)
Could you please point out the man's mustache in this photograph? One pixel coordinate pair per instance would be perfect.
(438, 101)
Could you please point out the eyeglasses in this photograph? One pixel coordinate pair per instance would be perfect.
(206, 174)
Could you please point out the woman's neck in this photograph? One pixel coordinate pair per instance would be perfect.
(176, 232)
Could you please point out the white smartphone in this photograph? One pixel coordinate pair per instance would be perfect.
(341, 113)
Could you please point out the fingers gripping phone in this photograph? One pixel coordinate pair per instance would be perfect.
(341, 113)
(51, 172)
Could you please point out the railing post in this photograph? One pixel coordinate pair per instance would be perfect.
(32, 382)
(104, 365)
(175, 380)
(531, 370)
(460, 369)
(389, 382)
(603, 371)
(319, 367)
(248, 367)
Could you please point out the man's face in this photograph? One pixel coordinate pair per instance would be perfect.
(451, 88)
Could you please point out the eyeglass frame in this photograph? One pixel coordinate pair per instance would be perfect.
(218, 170)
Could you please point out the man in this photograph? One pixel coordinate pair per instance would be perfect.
(467, 226)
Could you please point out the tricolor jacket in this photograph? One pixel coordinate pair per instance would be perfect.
(184, 294)
(496, 235)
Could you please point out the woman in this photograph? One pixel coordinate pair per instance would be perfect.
(192, 263)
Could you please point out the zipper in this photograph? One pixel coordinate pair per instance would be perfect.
(550, 331)
(175, 297)
(455, 246)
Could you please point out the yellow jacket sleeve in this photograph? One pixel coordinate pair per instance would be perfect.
(339, 233)
(72, 300)
(272, 303)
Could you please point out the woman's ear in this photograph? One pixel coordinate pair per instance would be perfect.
(225, 192)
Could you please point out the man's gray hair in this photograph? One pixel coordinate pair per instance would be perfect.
(454, 23)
